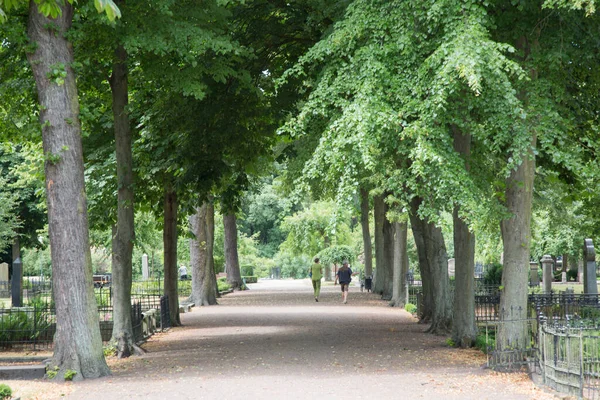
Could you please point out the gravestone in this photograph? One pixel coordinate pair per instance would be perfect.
(548, 274)
(145, 270)
(534, 278)
(590, 285)
(4, 272)
(451, 267)
(580, 271)
(564, 277)
(16, 283)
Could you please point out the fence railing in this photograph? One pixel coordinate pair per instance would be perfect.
(34, 326)
(569, 358)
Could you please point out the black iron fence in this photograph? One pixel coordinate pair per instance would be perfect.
(34, 325)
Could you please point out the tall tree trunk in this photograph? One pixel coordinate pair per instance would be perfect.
(203, 281)
(77, 342)
(364, 222)
(232, 262)
(327, 267)
(565, 262)
(464, 329)
(384, 249)
(516, 238)
(210, 244)
(433, 261)
(170, 249)
(123, 232)
(400, 264)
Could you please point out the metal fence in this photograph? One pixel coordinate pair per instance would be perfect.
(569, 358)
(34, 326)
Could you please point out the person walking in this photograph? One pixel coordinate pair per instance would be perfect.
(316, 273)
(344, 275)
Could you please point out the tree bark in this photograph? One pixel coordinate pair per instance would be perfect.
(433, 262)
(77, 342)
(210, 243)
(170, 256)
(203, 281)
(384, 250)
(516, 237)
(232, 262)
(123, 232)
(400, 265)
(327, 267)
(364, 222)
(464, 329)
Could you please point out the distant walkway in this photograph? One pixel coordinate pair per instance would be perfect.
(274, 342)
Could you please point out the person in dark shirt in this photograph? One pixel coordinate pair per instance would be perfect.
(344, 275)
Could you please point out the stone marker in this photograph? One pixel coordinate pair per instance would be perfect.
(548, 275)
(564, 277)
(145, 271)
(4, 272)
(451, 267)
(534, 278)
(580, 271)
(16, 283)
(590, 286)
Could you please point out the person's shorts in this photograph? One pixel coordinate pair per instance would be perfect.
(344, 286)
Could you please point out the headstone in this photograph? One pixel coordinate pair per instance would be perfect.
(590, 286)
(564, 277)
(145, 270)
(451, 267)
(534, 278)
(16, 283)
(4, 272)
(548, 275)
(580, 271)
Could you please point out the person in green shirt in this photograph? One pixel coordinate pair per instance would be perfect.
(316, 273)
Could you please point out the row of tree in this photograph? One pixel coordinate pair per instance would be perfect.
(418, 108)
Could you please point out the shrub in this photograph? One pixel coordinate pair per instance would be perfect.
(250, 279)
(493, 275)
(247, 270)
(70, 374)
(223, 285)
(5, 391)
(411, 308)
(572, 275)
(483, 345)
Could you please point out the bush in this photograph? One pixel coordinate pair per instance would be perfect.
(70, 374)
(493, 275)
(247, 270)
(5, 391)
(572, 275)
(483, 345)
(411, 308)
(223, 285)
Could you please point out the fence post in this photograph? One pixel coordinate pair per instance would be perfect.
(582, 372)
(17, 283)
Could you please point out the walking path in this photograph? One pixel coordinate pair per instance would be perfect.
(275, 342)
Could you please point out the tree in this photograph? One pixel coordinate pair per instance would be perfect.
(400, 266)
(77, 342)
(204, 282)
(232, 263)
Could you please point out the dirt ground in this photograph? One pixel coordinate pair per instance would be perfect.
(274, 341)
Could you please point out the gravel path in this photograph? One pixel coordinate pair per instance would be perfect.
(275, 342)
